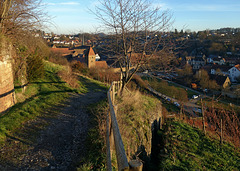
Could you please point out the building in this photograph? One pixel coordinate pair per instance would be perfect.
(222, 81)
(196, 62)
(219, 61)
(234, 73)
(90, 58)
(87, 55)
(220, 69)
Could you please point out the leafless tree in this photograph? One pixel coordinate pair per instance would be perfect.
(138, 33)
(19, 16)
(19, 21)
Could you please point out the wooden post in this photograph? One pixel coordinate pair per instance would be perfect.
(203, 118)
(221, 136)
(113, 93)
(135, 165)
(109, 143)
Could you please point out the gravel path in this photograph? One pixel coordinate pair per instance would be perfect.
(62, 143)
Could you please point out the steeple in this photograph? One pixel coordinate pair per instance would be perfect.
(91, 58)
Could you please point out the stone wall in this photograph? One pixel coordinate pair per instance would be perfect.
(7, 94)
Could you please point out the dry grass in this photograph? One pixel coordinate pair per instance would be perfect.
(136, 114)
(57, 58)
(68, 76)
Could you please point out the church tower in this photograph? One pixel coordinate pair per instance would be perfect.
(90, 58)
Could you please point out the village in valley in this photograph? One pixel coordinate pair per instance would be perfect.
(207, 61)
(119, 85)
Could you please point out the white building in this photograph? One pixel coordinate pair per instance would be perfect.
(234, 73)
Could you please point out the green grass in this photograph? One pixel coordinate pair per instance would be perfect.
(188, 149)
(136, 113)
(96, 156)
(88, 84)
(40, 95)
(168, 89)
(171, 107)
(44, 99)
(152, 81)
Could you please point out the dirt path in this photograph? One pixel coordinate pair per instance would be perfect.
(62, 143)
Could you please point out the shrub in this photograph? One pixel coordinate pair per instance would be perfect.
(80, 67)
(57, 58)
(35, 66)
(67, 76)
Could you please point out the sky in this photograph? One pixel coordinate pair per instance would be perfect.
(74, 16)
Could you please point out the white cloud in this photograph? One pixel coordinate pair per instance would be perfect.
(69, 3)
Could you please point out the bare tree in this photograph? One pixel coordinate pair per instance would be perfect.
(21, 15)
(138, 30)
(19, 21)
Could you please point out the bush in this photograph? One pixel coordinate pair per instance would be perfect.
(35, 66)
(57, 58)
(67, 76)
(80, 67)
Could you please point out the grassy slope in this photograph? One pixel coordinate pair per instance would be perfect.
(188, 149)
(43, 99)
(169, 89)
(38, 98)
(136, 114)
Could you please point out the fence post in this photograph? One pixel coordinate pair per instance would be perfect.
(119, 87)
(135, 165)
(221, 136)
(108, 142)
(203, 118)
(113, 93)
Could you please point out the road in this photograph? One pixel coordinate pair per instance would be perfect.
(189, 107)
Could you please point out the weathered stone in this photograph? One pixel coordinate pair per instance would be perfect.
(6, 78)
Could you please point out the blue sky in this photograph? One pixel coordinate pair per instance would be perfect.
(73, 16)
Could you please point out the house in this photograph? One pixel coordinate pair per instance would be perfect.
(232, 61)
(196, 63)
(210, 58)
(219, 60)
(101, 64)
(220, 70)
(222, 81)
(234, 73)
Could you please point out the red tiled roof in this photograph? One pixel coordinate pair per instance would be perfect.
(62, 50)
(237, 66)
(91, 52)
(101, 64)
